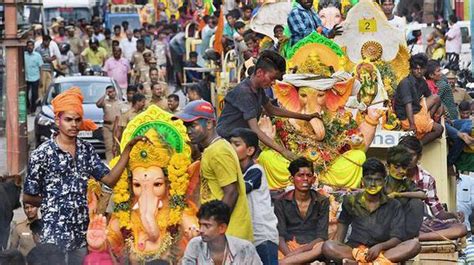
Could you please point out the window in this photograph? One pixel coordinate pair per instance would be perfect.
(91, 91)
(465, 35)
(68, 13)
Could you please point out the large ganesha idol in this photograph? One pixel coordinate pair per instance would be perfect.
(337, 142)
(152, 218)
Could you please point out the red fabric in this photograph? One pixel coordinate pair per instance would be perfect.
(218, 47)
(432, 86)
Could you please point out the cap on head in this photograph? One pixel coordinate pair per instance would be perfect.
(451, 75)
(93, 41)
(198, 109)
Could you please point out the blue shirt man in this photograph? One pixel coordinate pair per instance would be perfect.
(33, 62)
(303, 20)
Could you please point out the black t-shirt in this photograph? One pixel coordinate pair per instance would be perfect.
(241, 104)
(291, 225)
(410, 90)
(371, 228)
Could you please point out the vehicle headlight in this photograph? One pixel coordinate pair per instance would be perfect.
(44, 120)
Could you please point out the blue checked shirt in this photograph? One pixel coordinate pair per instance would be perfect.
(303, 22)
(61, 180)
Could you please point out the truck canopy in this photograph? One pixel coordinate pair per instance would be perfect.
(69, 3)
(117, 18)
(69, 10)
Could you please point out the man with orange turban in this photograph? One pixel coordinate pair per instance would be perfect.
(58, 171)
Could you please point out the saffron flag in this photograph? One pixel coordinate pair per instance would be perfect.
(218, 47)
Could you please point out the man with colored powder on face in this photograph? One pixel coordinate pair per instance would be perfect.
(58, 171)
(303, 216)
(438, 223)
(401, 187)
(221, 176)
(378, 224)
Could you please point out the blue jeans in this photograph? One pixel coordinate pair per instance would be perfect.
(464, 126)
(268, 253)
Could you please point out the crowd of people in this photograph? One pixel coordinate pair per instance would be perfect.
(241, 221)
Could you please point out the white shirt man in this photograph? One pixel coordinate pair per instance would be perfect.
(454, 39)
(128, 46)
(399, 23)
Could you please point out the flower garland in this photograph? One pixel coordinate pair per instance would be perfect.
(389, 77)
(339, 128)
(166, 243)
(178, 178)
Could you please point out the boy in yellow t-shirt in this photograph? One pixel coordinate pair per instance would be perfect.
(221, 177)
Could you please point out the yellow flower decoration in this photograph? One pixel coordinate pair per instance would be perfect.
(124, 218)
(94, 186)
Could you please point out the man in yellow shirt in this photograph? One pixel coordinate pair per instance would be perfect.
(94, 55)
(221, 177)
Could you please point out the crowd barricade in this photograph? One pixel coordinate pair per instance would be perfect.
(192, 42)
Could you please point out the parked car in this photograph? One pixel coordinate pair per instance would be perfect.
(92, 87)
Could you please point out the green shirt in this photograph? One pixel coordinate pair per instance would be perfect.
(446, 95)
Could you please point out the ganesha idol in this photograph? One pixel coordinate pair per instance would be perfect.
(153, 218)
(337, 142)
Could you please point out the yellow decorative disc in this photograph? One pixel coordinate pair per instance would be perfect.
(371, 50)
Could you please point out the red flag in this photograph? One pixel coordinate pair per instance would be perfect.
(219, 33)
